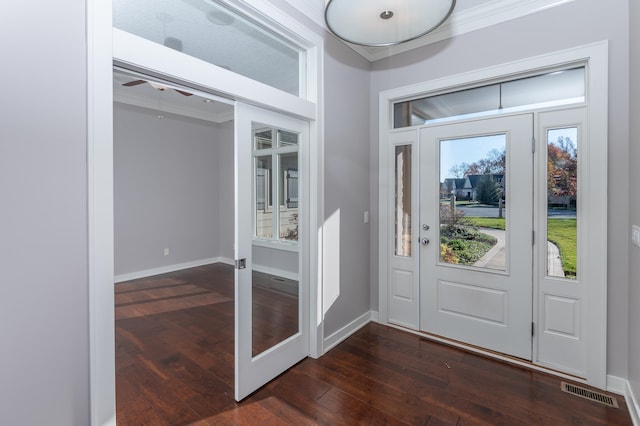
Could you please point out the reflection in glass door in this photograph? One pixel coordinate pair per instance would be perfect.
(272, 332)
(275, 247)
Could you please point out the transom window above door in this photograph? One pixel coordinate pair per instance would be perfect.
(561, 87)
(210, 31)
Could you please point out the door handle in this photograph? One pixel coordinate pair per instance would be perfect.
(424, 241)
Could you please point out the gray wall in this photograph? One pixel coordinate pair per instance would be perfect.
(44, 360)
(166, 189)
(634, 200)
(346, 159)
(226, 190)
(570, 25)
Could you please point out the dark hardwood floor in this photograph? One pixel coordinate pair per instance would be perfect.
(174, 366)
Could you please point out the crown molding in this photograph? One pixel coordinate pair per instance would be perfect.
(312, 9)
(490, 13)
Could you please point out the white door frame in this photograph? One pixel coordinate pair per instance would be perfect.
(596, 58)
(106, 44)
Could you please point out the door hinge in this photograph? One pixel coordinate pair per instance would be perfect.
(533, 238)
(533, 329)
(241, 263)
(533, 145)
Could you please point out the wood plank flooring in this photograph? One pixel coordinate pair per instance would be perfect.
(174, 366)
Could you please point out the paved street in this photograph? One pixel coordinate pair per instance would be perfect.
(493, 212)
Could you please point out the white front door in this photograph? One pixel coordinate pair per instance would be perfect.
(271, 245)
(476, 233)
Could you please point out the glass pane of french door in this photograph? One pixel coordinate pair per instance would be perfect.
(275, 247)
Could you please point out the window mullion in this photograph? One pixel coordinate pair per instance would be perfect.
(275, 188)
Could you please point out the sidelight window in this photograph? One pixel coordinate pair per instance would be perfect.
(562, 202)
(403, 200)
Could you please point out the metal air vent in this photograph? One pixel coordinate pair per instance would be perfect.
(589, 394)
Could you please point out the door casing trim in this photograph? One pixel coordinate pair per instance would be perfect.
(101, 53)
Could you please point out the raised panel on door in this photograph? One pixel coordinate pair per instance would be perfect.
(476, 213)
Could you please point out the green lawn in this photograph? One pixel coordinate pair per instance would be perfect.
(563, 233)
(487, 222)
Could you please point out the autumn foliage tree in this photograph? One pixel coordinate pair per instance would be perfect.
(562, 169)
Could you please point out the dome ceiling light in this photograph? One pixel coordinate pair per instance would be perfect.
(385, 22)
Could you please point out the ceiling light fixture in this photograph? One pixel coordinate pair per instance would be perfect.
(157, 86)
(385, 22)
(219, 17)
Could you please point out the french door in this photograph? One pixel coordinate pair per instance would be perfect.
(476, 233)
(271, 233)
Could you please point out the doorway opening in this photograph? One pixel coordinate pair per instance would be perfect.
(177, 186)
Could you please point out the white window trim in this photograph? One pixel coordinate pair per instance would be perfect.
(106, 45)
(596, 57)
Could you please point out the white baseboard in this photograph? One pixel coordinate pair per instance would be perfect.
(633, 404)
(226, 260)
(275, 271)
(170, 268)
(195, 263)
(331, 341)
(616, 384)
(374, 316)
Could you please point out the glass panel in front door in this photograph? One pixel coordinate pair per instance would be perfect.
(472, 201)
(562, 202)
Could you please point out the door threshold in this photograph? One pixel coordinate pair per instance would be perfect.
(520, 362)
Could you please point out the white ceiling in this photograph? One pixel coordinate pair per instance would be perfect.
(207, 108)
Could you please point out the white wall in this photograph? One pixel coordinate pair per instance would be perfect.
(574, 24)
(634, 200)
(347, 144)
(44, 331)
(166, 189)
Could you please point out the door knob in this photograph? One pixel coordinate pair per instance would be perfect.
(424, 241)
